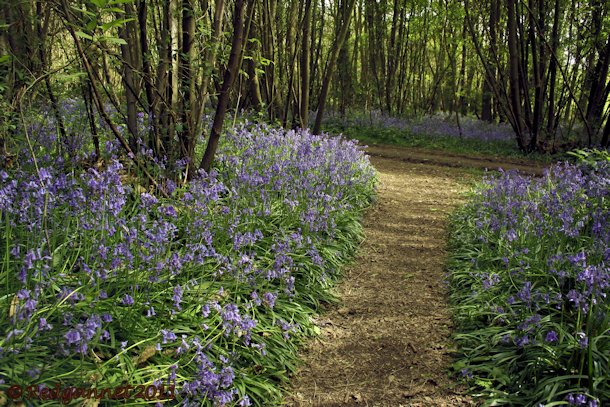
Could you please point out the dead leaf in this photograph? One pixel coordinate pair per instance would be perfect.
(90, 403)
(12, 310)
(146, 354)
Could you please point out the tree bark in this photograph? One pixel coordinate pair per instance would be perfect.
(187, 133)
(128, 48)
(515, 97)
(210, 55)
(486, 100)
(228, 79)
(332, 60)
(553, 70)
(98, 99)
(305, 62)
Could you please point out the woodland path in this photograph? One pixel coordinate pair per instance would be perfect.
(388, 342)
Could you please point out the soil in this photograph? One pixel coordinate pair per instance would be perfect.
(388, 342)
(455, 160)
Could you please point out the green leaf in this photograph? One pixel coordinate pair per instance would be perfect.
(113, 40)
(99, 3)
(91, 25)
(84, 35)
(264, 61)
(115, 23)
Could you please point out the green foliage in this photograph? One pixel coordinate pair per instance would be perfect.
(589, 157)
(210, 290)
(378, 134)
(529, 286)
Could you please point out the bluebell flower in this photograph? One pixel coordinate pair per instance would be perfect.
(43, 325)
(551, 337)
(583, 341)
(127, 300)
(177, 297)
(168, 336)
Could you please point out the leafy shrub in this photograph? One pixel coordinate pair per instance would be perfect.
(530, 281)
(209, 291)
(590, 157)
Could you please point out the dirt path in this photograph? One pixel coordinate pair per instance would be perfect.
(454, 160)
(388, 343)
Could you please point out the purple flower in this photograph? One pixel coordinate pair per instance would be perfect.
(551, 337)
(583, 341)
(244, 402)
(226, 377)
(177, 297)
(255, 298)
(43, 325)
(522, 341)
(72, 336)
(270, 299)
(168, 211)
(577, 400)
(525, 294)
(168, 336)
(127, 300)
(466, 373)
(205, 310)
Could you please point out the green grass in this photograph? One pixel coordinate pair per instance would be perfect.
(404, 138)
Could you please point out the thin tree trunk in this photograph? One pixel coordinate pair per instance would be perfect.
(227, 83)
(89, 106)
(392, 59)
(515, 98)
(486, 108)
(41, 33)
(151, 97)
(187, 134)
(606, 134)
(331, 65)
(210, 56)
(598, 91)
(305, 62)
(550, 129)
(98, 99)
(127, 75)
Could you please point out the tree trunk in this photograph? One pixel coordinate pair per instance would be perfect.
(550, 129)
(227, 83)
(515, 97)
(486, 99)
(305, 62)
(187, 133)
(606, 134)
(210, 55)
(128, 49)
(332, 60)
(598, 93)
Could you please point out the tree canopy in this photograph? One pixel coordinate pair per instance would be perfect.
(540, 65)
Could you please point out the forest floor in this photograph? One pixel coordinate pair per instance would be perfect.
(388, 342)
